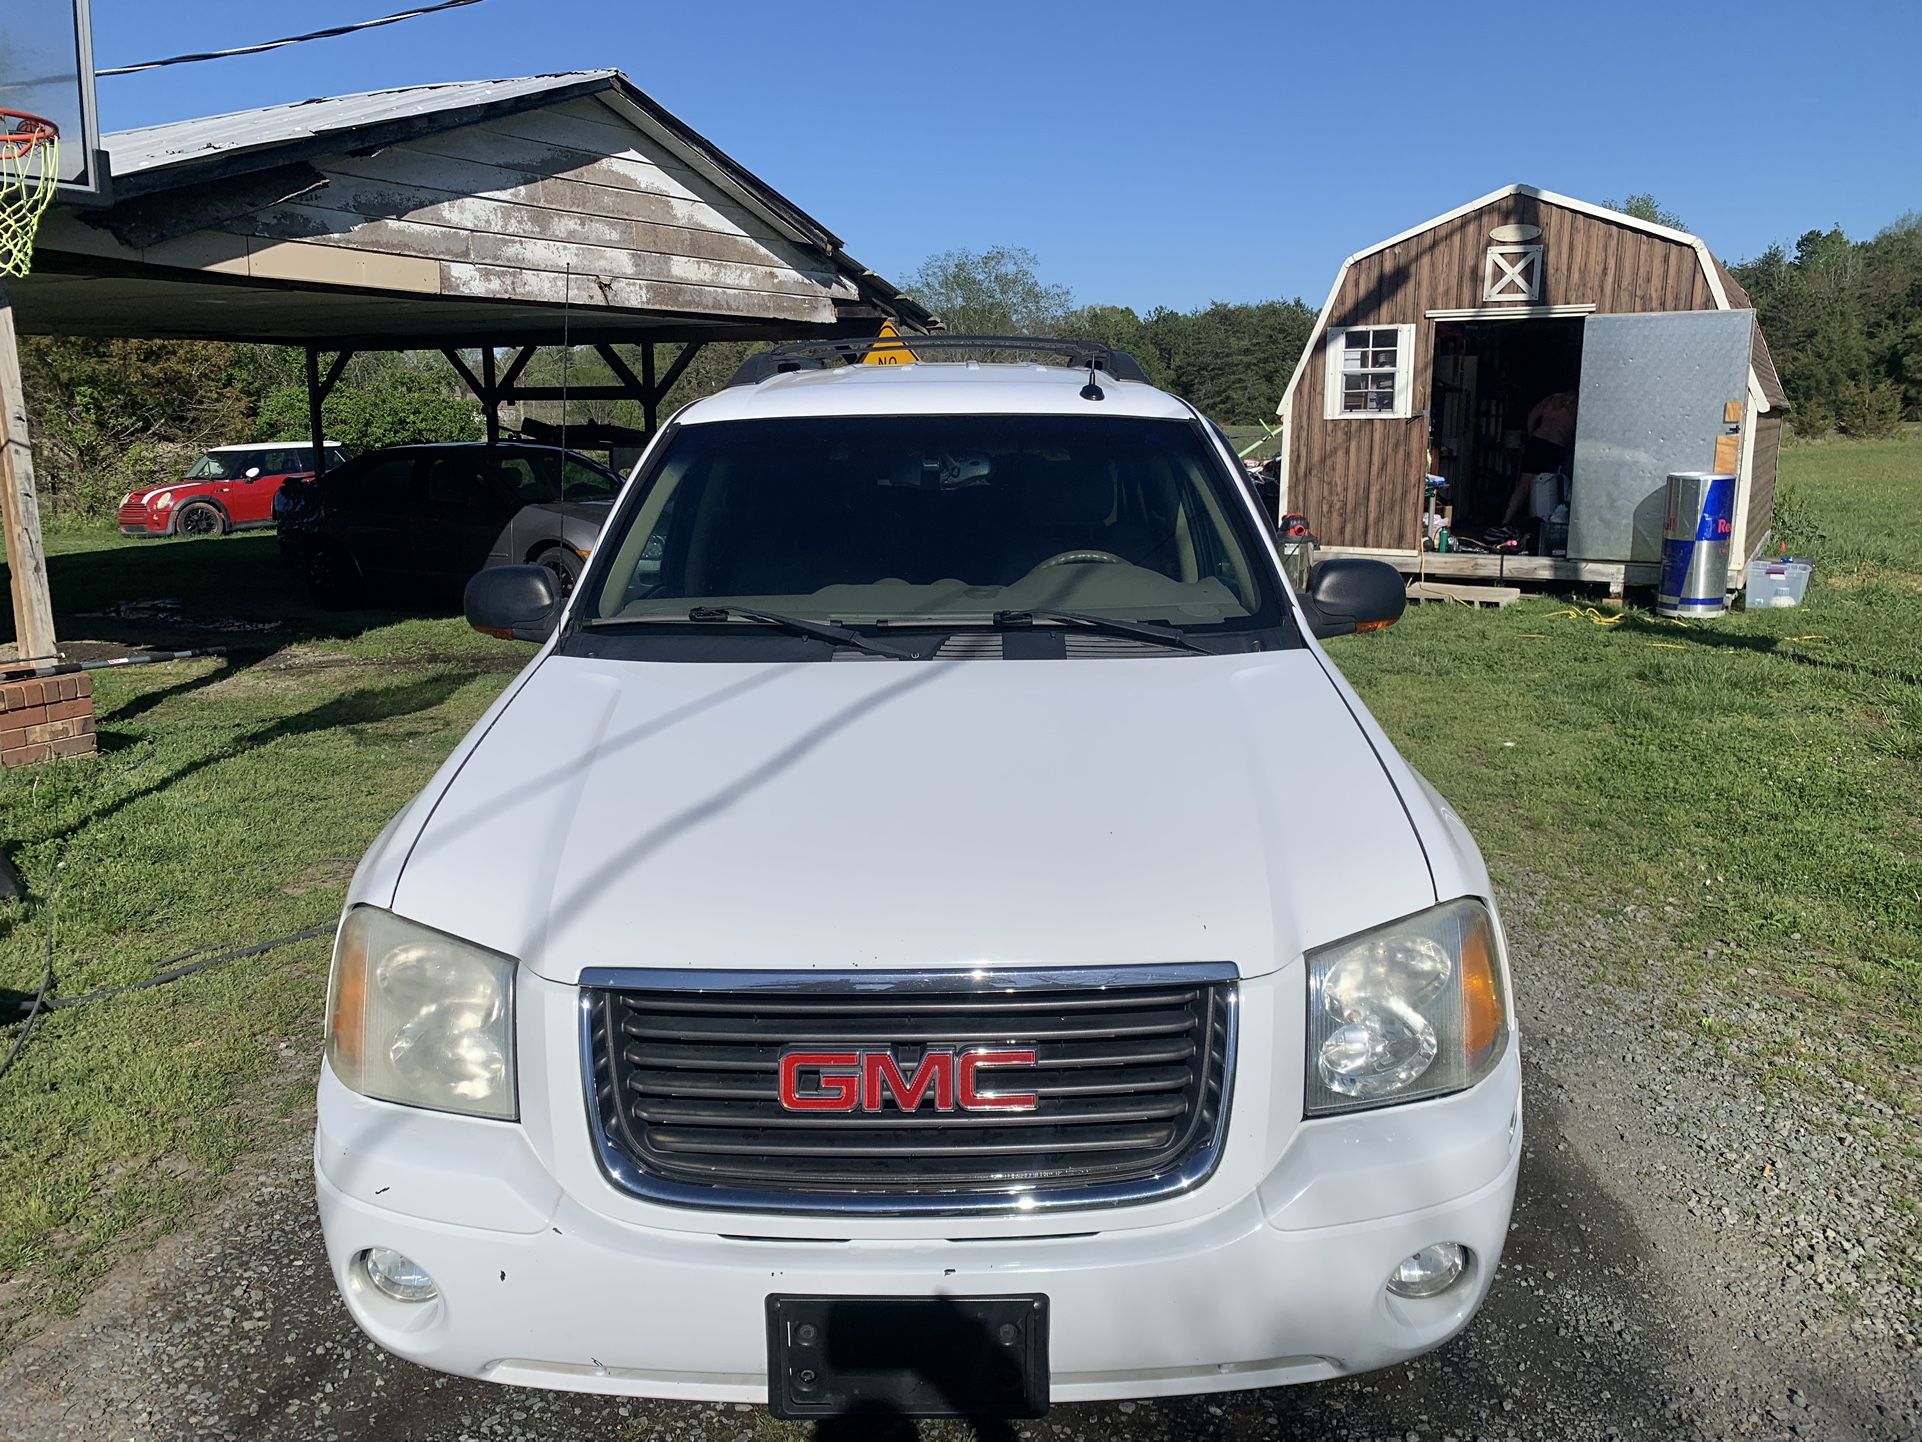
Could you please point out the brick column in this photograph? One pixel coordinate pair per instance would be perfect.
(47, 718)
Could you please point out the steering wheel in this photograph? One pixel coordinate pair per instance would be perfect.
(1084, 558)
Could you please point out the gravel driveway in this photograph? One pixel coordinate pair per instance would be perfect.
(1690, 1258)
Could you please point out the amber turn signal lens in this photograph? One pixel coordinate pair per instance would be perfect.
(1481, 995)
(347, 1007)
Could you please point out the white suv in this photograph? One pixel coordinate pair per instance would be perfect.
(929, 932)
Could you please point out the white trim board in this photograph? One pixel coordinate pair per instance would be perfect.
(1510, 312)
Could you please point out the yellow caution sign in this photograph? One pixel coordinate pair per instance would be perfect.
(888, 355)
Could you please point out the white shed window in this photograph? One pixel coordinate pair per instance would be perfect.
(1370, 371)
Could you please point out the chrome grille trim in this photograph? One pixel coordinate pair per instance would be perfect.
(1184, 1174)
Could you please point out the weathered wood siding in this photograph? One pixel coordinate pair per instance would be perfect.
(506, 207)
(1761, 494)
(1359, 480)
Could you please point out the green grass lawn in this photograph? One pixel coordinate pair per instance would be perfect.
(1740, 800)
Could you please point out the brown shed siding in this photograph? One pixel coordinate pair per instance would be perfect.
(1761, 494)
(1359, 481)
(1759, 359)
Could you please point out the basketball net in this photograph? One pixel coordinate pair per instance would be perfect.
(29, 175)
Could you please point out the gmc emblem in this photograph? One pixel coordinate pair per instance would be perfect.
(865, 1079)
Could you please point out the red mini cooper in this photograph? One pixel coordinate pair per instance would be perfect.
(229, 488)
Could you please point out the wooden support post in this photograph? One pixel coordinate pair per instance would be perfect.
(621, 372)
(462, 370)
(650, 398)
(515, 367)
(26, 557)
(319, 387)
(679, 367)
(573, 393)
(481, 385)
(491, 398)
(314, 422)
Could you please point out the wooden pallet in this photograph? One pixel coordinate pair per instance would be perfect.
(1474, 595)
(1476, 565)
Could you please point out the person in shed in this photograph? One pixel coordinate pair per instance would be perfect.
(1549, 437)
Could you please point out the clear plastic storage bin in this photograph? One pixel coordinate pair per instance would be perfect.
(1777, 583)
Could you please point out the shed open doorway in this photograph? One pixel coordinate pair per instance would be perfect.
(1491, 377)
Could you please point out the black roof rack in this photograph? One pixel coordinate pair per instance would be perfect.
(824, 354)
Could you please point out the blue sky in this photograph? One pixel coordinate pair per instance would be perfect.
(1167, 153)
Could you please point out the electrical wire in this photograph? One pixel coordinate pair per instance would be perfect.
(266, 45)
(567, 352)
(46, 981)
(238, 953)
(186, 964)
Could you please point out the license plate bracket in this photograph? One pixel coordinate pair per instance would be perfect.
(907, 1356)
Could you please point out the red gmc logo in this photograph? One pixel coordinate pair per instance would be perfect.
(864, 1079)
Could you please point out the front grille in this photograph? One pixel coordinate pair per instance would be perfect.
(1131, 1083)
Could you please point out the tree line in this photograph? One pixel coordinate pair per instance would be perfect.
(1843, 318)
(1844, 321)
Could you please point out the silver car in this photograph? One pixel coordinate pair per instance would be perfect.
(436, 514)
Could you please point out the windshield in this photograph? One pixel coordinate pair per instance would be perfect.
(939, 519)
(531, 476)
(223, 465)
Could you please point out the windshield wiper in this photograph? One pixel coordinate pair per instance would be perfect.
(1113, 625)
(798, 626)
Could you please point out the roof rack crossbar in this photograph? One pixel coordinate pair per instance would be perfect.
(822, 354)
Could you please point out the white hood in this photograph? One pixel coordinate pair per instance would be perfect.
(879, 814)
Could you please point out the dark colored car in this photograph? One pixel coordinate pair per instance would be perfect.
(436, 514)
(230, 488)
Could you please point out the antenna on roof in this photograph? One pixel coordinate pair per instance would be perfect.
(1092, 390)
(567, 351)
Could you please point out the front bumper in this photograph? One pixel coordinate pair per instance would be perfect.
(138, 521)
(1280, 1282)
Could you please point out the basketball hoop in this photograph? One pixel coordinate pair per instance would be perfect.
(29, 175)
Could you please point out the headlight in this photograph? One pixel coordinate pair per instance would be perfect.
(161, 501)
(419, 1017)
(1413, 1009)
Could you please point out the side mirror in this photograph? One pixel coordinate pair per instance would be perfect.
(1348, 594)
(516, 603)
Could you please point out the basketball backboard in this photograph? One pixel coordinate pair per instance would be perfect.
(46, 69)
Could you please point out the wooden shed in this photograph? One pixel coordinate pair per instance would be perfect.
(1526, 371)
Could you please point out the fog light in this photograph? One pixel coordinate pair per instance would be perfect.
(1429, 1272)
(398, 1275)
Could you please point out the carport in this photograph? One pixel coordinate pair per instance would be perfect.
(495, 215)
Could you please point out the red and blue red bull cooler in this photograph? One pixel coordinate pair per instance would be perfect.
(1695, 540)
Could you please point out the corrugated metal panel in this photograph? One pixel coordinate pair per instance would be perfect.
(1652, 397)
(181, 141)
